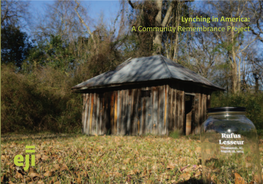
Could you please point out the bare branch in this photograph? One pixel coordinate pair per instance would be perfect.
(135, 5)
(248, 45)
(91, 34)
(168, 14)
(131, 4)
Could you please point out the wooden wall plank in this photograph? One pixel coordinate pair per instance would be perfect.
(127, 112)
(166, 110)
(208, 103)
(133, 113)
(124, 115)
(115, 112)
(199, 113)
(161, 110)
(108, 101)
(85, 113)
(155, 110)
(136, 119)
(139, 109)
(205, 107)
(122, 99)
(108, 113)
(182, 111)
(97, 114)
(90, 104)
(88, 107)
(83, 121)
(124, 112)
(142, 110)
(201, 109)
(119, 111)
(93, 127)
(174, 110)
(133, 99)
(196, 115)
(178, 109)
(104, 117)
(141, 115)
(144, 114)
(148, 112)
(91, 112)
(170, 116)
(101, 112)
(130, 114)
(112, 102)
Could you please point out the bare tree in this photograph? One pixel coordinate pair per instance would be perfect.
(86, 26)
(233, 42)
(61, 19)
(254, 11)
(103, 39)
(12, 12)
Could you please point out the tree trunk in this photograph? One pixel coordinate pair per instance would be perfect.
(178, 7)
(234, 76)
(157, 42)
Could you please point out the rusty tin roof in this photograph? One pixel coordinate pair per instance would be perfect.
(145, 69)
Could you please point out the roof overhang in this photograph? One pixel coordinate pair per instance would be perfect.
(87, 89)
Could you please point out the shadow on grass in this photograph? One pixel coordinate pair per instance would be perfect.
(36, 136)
(193, 181)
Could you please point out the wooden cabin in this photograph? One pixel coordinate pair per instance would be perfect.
(148, 95)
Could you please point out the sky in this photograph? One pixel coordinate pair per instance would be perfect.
(109, 8)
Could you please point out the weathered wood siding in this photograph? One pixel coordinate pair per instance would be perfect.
(148, 110)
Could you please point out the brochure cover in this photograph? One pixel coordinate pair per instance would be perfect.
(119, 91)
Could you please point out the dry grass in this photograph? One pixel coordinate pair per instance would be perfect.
(104, 159)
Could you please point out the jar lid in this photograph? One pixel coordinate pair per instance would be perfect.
(223, 109)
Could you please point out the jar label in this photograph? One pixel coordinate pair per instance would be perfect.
(230, 140)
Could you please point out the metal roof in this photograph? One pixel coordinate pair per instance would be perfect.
(144, 69)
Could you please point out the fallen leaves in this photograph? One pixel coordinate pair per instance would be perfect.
(198, 149)
(239, 179)
(32, 173)
(49, 173)
(133, 172)
(185, 176)
(64, 167)
(18, 175)
(106, 159)
(126, 161)
(56, 167)
(170, 166)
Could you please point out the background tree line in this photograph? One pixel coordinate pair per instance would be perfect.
(65, 48)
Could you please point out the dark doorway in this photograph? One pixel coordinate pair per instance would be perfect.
(188, 115)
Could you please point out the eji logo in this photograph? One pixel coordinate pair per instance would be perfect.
(19, 159)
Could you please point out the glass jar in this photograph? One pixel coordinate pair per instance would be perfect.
(229, 144)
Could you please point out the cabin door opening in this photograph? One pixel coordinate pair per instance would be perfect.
(188, 115)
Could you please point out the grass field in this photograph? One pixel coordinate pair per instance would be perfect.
(76, 158)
